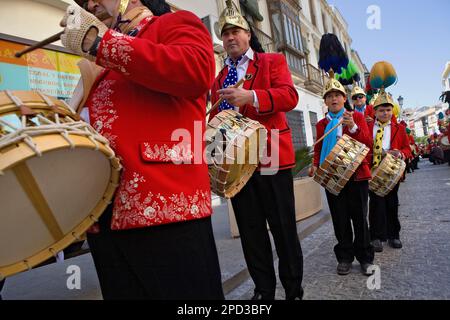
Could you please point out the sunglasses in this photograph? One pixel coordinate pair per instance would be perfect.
(359, 96)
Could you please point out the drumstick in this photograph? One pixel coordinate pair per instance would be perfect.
(40, 44)
(326, 134)
(349, 109)
(247, 77)
(102, 16)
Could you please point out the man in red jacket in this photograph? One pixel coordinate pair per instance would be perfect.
(156, 241)
(350, 206)
(390, 137)
(265, 198)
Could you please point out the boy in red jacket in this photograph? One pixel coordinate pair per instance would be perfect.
(350, 206)
(389, 137)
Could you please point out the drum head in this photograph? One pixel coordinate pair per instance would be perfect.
(53, 187)
(65, 180)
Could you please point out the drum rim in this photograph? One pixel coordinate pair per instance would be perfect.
(41, 142)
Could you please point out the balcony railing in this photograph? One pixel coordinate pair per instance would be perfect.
(316, 78)
(266, 41)
(314, 74)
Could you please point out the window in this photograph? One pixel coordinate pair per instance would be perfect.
(313, 121)
(292, 33)
(297, 124)
(295, 63)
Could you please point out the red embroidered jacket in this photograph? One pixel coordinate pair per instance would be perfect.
(276, 94)
(154, 84)
(399, 139)
(361, 134)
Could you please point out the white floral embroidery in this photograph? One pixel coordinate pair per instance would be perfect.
(103, 111)
(178, 153)
(116, 52)
(132, 208)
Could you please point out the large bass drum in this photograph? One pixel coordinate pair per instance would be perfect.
(57, 177)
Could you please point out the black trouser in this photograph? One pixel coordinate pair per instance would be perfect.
(409, 165)
(270, 198)
(383, 216)
(2, 283)
(350, 206)
(447, 156)
(415, 163)
(173, 261)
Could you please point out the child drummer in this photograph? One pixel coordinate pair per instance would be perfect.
(350, 206)
(388, 137)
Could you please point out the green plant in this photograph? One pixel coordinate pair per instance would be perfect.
(303, 159)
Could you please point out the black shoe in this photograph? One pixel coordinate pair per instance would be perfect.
(395, 243)
(365, 269)
(343, 268)
(297, 297)
(257, 296)
(377, 245)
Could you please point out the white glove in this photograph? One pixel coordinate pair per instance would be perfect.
(81, 30)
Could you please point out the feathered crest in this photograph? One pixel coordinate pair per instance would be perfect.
(382, 75)
(348, 75)
(445, 97)
(230, 8)
(332, 56)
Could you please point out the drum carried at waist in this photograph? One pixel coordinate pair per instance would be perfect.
(235, 145)
(340, 165)
(57, 177)
(444, 143)
(386, 176)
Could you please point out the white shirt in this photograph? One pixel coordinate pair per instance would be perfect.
(242, 70)
(386, 135)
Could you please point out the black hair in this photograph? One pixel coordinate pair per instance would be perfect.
(157, 7)
(254, 42)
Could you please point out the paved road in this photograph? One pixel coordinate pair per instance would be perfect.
(421, 270)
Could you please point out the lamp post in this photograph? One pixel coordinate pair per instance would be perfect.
(400, 103)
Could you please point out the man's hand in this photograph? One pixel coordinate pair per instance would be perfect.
(348, 119)
(81, 28)
(312, 171)
(396, 153)
(368, 119)
(237, 96)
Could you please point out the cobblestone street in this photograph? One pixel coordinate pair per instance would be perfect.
(420, 270)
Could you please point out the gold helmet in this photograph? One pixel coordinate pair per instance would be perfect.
(383, 98)
(231, 17)
(334, 85)
(121, 5)
(357, 90)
